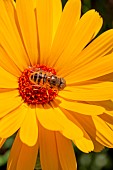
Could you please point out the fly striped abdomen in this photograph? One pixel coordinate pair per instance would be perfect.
(46, 79)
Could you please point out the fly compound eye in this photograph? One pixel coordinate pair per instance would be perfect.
(62, 84)
(53, 80)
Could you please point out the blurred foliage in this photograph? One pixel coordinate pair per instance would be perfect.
(4, 152)
(91, 161)
(94, 161)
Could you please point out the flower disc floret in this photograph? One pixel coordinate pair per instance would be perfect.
(34, 92)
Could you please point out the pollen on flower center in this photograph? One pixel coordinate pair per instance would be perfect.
(39, 84)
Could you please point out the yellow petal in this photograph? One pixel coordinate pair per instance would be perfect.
(10, 39)
(106, 132)
(54, 119)
(66, 27)
(9, 101)
(7, 80)
(8, 64)
(86, 109)
(92, 92)
(14, 154)
(108, 105)
(29, 128)
(98, 48)
(98, 26)
(48, 149)
(65, 153)
(8, 94)
(12, 122)
(44, 10)
(84, 143)
(10, 8)
(34, 4)
(57, 11)
(72, 126)
(27, 157)
(102, 65)
(2, 141)
(27, 22)
(22, 156)
(108, 118)
(97, 129)
(84, 31)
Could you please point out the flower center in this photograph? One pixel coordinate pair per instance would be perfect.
(39, 84)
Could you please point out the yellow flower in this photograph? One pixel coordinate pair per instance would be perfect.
(42, 50)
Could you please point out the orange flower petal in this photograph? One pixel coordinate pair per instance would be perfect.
(9, 101)
(29, 128)
(10, 8)
(98, 48)
(48, 15)
(57, 12)
(86, 109)
(69, 18)
(7, 80)
(65, 153)
(87, 25)
(48, 149)
(52, 119)
(8, 64)
(22, 156)
(84, 143)
(108, 118)
(98, 26)
(27, 22)
(97, 129)
(97, 146)
(104, 130)
(14, 154)
(102, 65)
(93, 92)
(10, 39)
(12, 122)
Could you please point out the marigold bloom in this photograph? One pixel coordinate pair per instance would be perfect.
(40, 43)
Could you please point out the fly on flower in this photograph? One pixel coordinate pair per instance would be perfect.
(51, 86)
(43, 78)
(40, 85)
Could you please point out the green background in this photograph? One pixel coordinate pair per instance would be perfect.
(91, 161)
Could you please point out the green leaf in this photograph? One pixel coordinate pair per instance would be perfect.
(4, 158)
